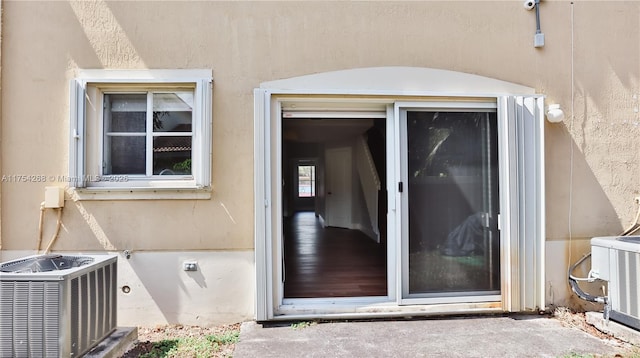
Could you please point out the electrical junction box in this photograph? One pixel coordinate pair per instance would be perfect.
(538, 40)
(53, 197)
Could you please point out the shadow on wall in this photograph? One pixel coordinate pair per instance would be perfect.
(571, 179)
(161, 291)
(151, 279)
(577, 195)
(168, 284)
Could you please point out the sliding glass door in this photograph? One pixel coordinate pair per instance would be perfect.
(450, 204)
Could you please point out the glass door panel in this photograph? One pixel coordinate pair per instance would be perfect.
(451, 246)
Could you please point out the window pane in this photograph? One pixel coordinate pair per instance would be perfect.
(453, 242)
(172, 121)
(125, 155)
(125, 112)
(306, 181)
(172, 112)
(172, 155)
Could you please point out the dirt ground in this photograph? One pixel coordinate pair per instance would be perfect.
(149, 338)
(578, 320)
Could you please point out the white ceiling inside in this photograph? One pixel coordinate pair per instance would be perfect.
(324, 130)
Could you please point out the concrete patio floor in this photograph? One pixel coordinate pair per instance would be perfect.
(477, 336)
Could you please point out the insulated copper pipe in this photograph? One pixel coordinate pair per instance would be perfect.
(40, 227)
(55, 234)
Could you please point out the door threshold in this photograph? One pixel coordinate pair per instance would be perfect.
(380, 310)
(329, 301)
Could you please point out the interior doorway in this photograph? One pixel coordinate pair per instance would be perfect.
(339, 187)
(332, 243)
(304, 188)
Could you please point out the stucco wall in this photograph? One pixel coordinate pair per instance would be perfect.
(590, 65)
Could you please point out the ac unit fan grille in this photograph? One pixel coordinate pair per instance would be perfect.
(31, 324)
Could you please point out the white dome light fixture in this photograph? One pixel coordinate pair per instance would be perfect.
(554, 113)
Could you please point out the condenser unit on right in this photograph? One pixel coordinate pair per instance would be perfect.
(616, 259)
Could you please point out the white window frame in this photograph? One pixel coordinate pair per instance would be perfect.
(87, 135)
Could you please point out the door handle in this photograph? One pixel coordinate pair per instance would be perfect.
(329, 193)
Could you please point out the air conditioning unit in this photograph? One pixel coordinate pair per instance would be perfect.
(56, 305)
(617, 260)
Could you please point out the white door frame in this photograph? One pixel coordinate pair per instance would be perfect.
(519, 113)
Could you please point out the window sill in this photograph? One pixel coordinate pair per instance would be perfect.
(111, 193)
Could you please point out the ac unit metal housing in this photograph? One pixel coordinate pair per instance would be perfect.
(56, 306)
(617, 260)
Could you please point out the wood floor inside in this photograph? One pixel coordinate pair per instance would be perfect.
(331, 262)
